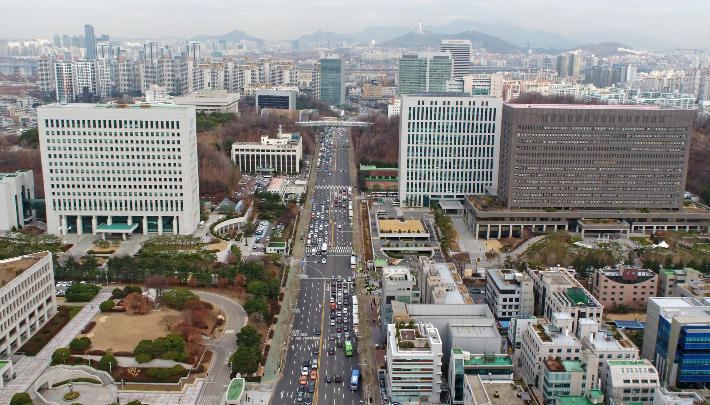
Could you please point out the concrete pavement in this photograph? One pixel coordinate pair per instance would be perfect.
(41, 361)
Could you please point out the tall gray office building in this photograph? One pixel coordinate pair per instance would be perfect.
(460, 50)
(90, 41)
(329, 81)
(593, 157)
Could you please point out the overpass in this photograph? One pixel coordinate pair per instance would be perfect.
(333, 124)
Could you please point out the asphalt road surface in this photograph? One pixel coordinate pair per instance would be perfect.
(315, 294)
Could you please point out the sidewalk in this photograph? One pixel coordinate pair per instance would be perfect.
(467, 242)
(189, 397)
(41, 361)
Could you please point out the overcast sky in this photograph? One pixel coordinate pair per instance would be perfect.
(683, 22)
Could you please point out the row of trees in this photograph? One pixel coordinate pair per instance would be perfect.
(247, 357)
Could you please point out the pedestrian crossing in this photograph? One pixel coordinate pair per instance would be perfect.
(340, 249)
(209, 400)
(330, 187)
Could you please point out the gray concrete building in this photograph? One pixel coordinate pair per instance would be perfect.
(590, 169)
(398, 284)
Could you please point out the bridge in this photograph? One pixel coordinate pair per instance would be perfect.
(333, 124)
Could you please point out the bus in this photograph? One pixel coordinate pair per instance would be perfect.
(353, 262)
(355, 380)
(348, 348)
(351, 214)
(355, 319)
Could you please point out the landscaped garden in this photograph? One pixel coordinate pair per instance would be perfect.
(49, 330)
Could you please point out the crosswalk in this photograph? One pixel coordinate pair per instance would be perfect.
(340, 249)
(209, 400)
(330, 187)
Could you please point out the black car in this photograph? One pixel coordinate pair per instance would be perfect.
(340, 320)
(315, 350)
(332, 314)
(308, 401)
(337, 378)
(331, 351)
(339, 344)
(311, 387)
(328, 379)
(338, 329)
(345, 327)
(317, 331)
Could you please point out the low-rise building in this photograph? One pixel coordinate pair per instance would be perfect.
(516, 327)
(605, 344)
(557, 291)
(663, 396)
(394, 108)
(27, 299)
(565, 377)
(380, 179)
(277, 99)
(16, 189)
(545, 340)
(621, 285)
(629, 381)
(398, 284)
(487, 366)
(209, 101)
(271, 155)
(509, 293)
(669, 279)
(595, 397)
(477, 392)
(414, 363)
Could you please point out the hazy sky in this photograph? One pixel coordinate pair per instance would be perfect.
(684, 22)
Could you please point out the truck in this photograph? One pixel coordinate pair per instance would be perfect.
(355, 380)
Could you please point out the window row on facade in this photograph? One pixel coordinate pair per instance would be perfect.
(82, 204)
(114, 124)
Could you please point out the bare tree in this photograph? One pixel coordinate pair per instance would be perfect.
(134, 371)
(170, 320)
(259, 318)
(459, 260)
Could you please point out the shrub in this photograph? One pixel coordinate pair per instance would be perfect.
(198, 369)
(144, 358)
(177, 369)
(117, 293)
(107, 305)
(123, 354)
(81, 292)
(176, 297)
(135, 402)
(80, 343)
(207, 305)
(61, 355)
(21, 398)
(150, 372)
(88, 327)
(107, 362)
(163, 373)
(130, 289)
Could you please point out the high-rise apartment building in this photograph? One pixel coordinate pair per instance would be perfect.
(425, 72)
(119, 169)
(594, 157)
(330, 86)
(65, 81)
(90, 41)
(150, 51)
(460, 50)
(448, 146)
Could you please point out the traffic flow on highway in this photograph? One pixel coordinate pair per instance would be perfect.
(322, 358)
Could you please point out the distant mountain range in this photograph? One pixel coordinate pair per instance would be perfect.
(414, 39)
(235, 36)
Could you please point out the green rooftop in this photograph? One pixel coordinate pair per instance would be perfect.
(499, 360)
(380, 262)
(577, 295)
(573, 400)
(572, 365)
(628, 363)
(3, 364)
(457, 351)
(595, 393)
(117, 228)
(277, 244)
(236, 387)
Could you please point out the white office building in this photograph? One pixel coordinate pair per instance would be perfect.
(27, 301)
(280, 155)
(14, 188)
(460, 50)
(509, 293)
(624, 382)
(414, 360)
(489, 84)
(449, 147)
(119, 168)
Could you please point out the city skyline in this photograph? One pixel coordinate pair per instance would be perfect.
(290, 20)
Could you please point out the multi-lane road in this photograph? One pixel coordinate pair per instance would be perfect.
(312, 330)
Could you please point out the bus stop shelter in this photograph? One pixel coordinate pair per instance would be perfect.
(123, 229)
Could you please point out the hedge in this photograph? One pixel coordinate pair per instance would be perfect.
(89, 380)
(80, 343)
(88, 327)
(144, 358)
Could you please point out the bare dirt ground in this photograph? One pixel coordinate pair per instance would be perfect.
(122, 331)
(493, 244)
(631, 316)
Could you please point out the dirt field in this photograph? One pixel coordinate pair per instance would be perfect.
(632, 316)
(493, 245)
(122, 331)
(108, 250)
(393, 225)
(219, 246)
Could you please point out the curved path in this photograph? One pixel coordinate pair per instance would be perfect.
(218, 375)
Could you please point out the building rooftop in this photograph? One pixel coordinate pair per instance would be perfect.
(587, 106)
(235, 390)
(117, 106)
(473, 331)
(605, 342)
(11, 268)
(574, 400)
(552, 334)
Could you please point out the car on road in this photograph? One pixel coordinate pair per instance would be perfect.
(345, 327)
(332, 322)
(311, 386)
(337, 378)
(339, 344)
(309, 400)
(475, 291)
(300, 396)
(304, 379)
(313, 375)
(323, 260)
(331, 337)
(347, 336)
(315, 350)
(331, 351)
(328, 379)
(314, 364)
(317, 331)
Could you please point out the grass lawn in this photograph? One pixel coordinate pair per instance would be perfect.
(641, 241)
(73, 309)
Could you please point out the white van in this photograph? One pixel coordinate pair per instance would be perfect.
(201, 224)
